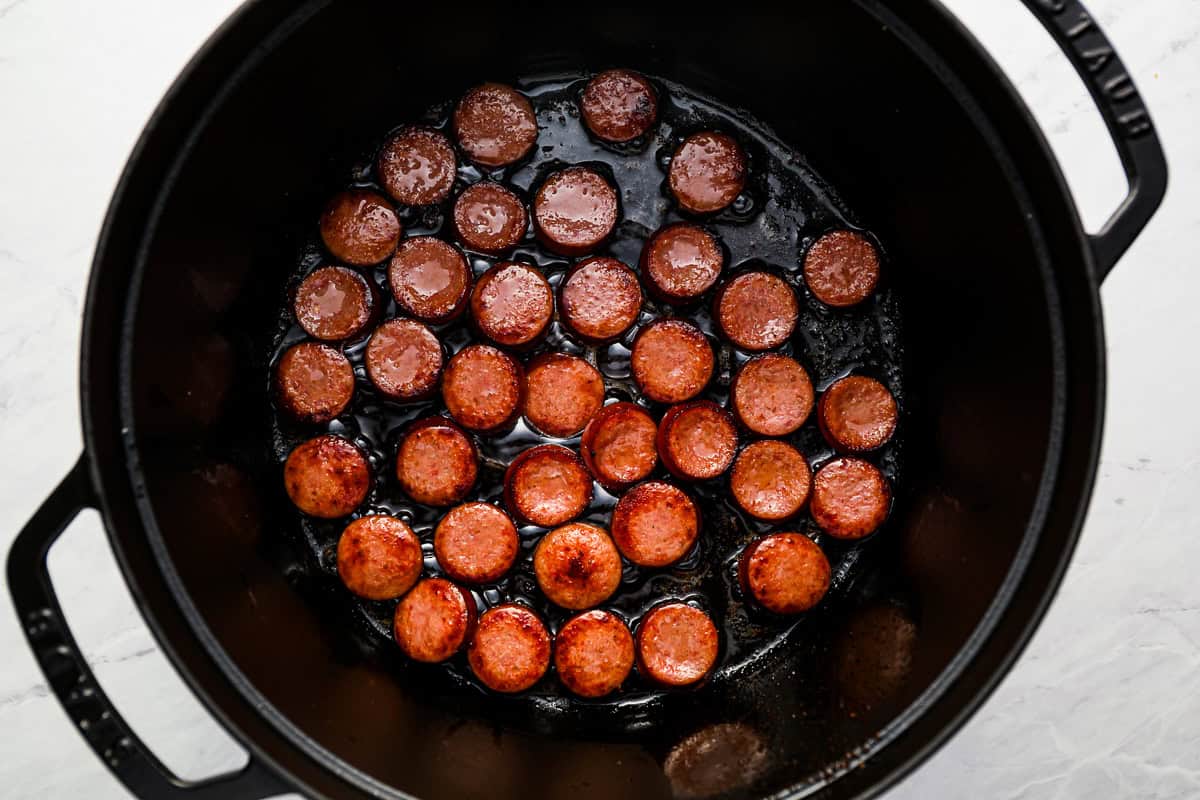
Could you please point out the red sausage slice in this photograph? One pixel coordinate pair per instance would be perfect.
(430, 279)
(335, 303)
(681, 262)
(510, 650)
(359, 227)
(404, 359)
(562, 394)
(708, 172)
(619, 105)
(512, 304)
(677, 645)
(379, 557)
(437, 463)
(786, 573)
(672, 361)
(655, 524)
(577, 566)
(574, 211)
(619, 445)
(857, 414)
(417, 166)
(757, 311)
(482, 387)
(495, 125)
(850, 498)
(842, 268)
(434, 620)
(770, 480)
(489, 218)
(593, 653)
(547, 485)
(313, 382)
(601, 299)
(475, 543)
(697, 440)
(327, 477)
(772, 395)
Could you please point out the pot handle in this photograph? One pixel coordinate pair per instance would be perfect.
(71, 679)
(1127, 119)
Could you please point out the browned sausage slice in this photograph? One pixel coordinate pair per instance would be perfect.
(786, 573)
(593, 653)
(359, 227)
(562, 393)
(404, 359)
(434, 620)
(672, 361)
(313, 382)
(577, 566)
(327, 477)
(482, 387)
(512, 304)
(547, 485)
(601, 299)
(574, 211)
(416, 166)
(619, 445)
(655, 524)
(510, 650)
(707, 172)
(857, 414)
(850, 498)
(842, 268)
(770, 480)
(430, 279)
(677, 645)
(379, 557)
(437, 463)
(619, 105)
(772, 395)
(489, 218)
(681, 262)
(757, 311)
(495, 125)
(475, 543)
(697, 440)
(335, 303)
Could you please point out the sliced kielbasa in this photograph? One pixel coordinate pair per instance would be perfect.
(547, 485)
(436, 463)
(429, 279)
(772, 395)
(379, 557)
(313, 382)
(672, 361)
(600, 299)
(697, 440)
(434, 620)
(475, 543)
(681, 262)
(707, 172)
(562, 394)
(857, 414)
(416, 166)
(577, 566)
(850, 498)
(770, 480)
(335, 303)
(574, 210)
(327, 477)
(786, 573)
(360, 227)
(677, 645)
(842, 268)
(655, 524)
(593, 653)
(619, 105)
(495, 125)
(482, 387)
(619, 445)
(512, 304)
(757, 311)
(510, 650)
(404, 359)
(489, 218)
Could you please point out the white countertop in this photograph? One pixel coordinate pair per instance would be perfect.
(1105, 703)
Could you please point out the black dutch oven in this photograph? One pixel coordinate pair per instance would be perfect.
(890, 101)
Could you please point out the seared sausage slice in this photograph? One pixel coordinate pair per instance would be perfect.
(842, 268)
(434, 620)
(313, 382)
(475, 543)
(437, 463)
(786, 573)
(510, 650)
(482, 387)
(379, 557)
(489, 218)
(770, 480)
(404, 359)
(850, 498)
(697, 440)
(857, 414)
(574, 210)
(495, 125)
(335, 303)
(416, 166)
(619, 105)
(512, 304)
(547, 485)
(677, 645)
(562, 393)
(772, 395)
(577, 566)
(327, 477)
(619, 445)
(672, 361)
(757, 311)
(655, 524)
(707, 172)
(593, 653)
(601, 299)
(430, 279)
(360, 227)
(681, 262)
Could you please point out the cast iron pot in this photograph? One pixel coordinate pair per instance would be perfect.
(890, 100)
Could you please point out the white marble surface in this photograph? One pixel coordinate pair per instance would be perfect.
(1105, 702)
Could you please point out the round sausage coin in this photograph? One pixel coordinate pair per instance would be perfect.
(430, 279)
(327, 477)
(672, 361)
(416, 166)
(547, 485)
(334, 303)
(681, 262)
(482, 387)
(495, 125)
(475, 543)
(707, 172)
(850, 498)
(655, 524)
(593, 653)
(379, 557)
(677, 645)
(359, 227)
(437, 463)
(770, 480)
(489, 218)
(512, 304)
(434, 620)
(786, 573)
(697, 440)
(619, 445)
(601, 299)
(510, 650)
(577, 566)
(757, 311)
(562, 394)
(842, 268)
(772, 395)
(313, 382)
(404, 359)
(857, 414)
(574, 210)
(619, 105)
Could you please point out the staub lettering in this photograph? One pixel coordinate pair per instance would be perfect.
(1097, 58)
(1053, 6)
